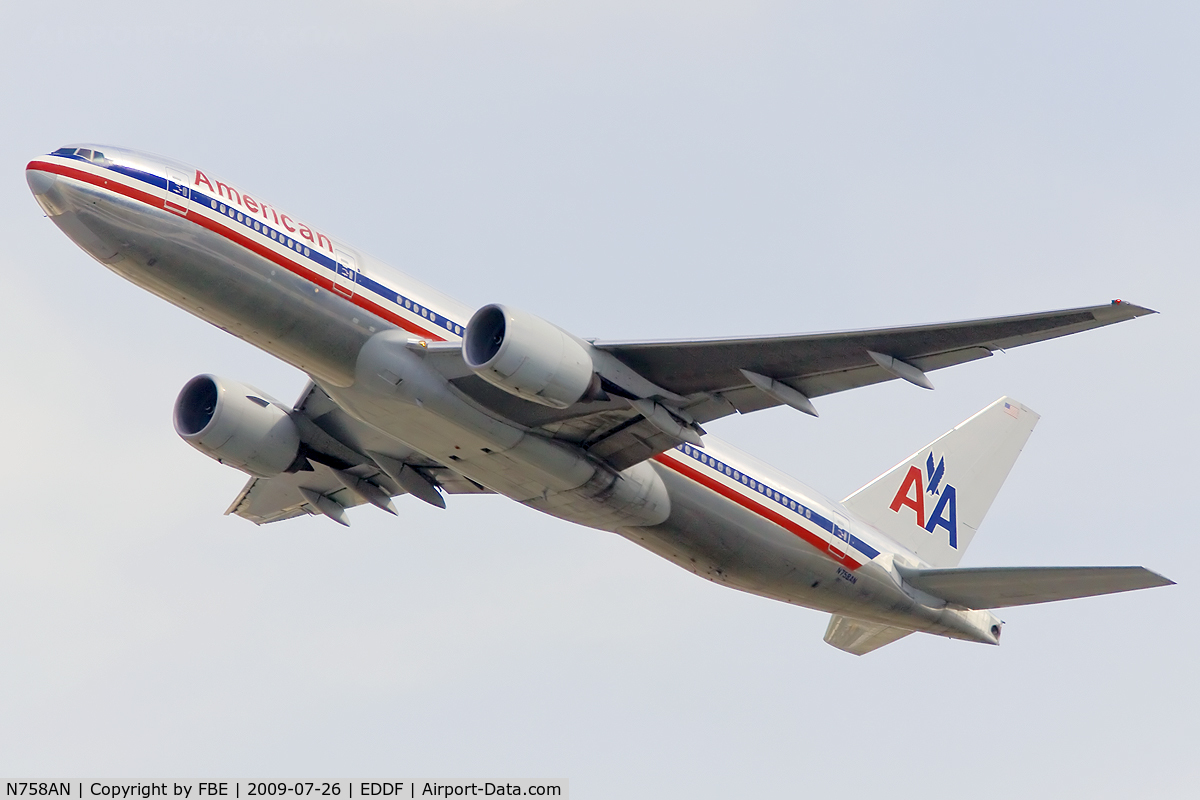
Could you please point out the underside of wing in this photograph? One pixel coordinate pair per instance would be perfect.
(612, 430)
(264, 500)
(823, 363)
(1002, 587)
(348, 464)
(696, 381)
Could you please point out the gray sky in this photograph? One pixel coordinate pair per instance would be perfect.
(627, 170)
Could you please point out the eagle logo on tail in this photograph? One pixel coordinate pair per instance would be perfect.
(934, 474)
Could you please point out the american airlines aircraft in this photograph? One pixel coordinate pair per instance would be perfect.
(414, 393)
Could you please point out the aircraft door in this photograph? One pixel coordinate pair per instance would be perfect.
(839, 543)
(177, 196)
(347, 274)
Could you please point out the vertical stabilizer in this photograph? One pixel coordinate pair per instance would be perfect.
(933, 502)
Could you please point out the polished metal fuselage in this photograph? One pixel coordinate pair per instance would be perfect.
(363, 355)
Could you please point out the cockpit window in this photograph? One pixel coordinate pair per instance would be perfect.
(95, 156)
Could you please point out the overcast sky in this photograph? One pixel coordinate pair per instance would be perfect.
(626, 170)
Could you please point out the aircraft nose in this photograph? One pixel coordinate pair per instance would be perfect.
(40, 182)
(62, 202)
(46, 190)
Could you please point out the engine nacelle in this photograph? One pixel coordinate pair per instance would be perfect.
(236, 425)
(527, 356)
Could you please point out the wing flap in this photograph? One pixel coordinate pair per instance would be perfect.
(858, 637)
(264, 500)
(275, 499)
(1003, 587)
(251, 504)
(336, 441)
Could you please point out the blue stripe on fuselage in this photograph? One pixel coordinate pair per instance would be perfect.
(294, 244)
(770, 492)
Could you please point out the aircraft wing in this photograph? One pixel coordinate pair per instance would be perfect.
(349, 464)
(264, 500)
(1003, 587)
(823, 363)
(682, 384)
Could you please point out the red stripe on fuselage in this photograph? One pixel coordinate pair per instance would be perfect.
(238, 238)
(818, 542)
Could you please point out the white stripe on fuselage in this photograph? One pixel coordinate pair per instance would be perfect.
(404, 298)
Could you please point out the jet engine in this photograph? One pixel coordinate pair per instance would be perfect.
(527, 356)
(237, 426)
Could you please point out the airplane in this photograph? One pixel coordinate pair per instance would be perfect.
(412, 392)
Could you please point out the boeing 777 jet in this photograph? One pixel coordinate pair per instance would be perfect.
(413, 393)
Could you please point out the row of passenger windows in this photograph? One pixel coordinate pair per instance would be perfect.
(417, 308)
(258, 226)
(746, 480)
(293, 244)
(97, 157)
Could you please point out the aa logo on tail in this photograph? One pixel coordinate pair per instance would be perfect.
(912, 493)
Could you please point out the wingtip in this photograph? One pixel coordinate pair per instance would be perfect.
(1163, 579)
(1132, 309)
(1152, 579)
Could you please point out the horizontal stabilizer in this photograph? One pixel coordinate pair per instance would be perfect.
(858, 637)
(1001, 587)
